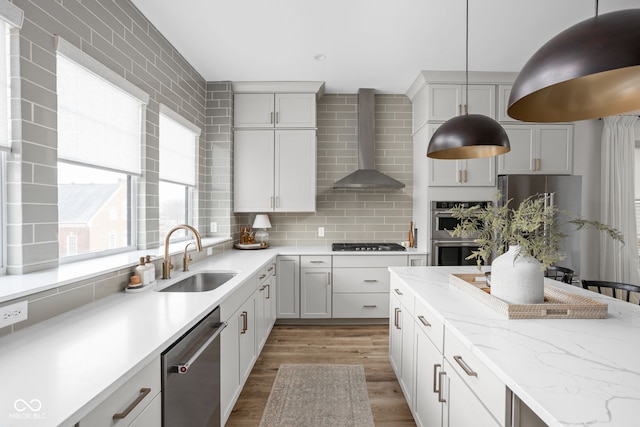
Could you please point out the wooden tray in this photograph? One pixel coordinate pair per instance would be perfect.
(558, 303)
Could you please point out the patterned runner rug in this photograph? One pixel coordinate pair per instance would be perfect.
(318, 395)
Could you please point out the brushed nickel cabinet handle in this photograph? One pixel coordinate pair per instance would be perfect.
(466, 108)
(245, 322)
(467, 370)
(395, 317)
(142, 395)
(270, 268)
(435, 377)
(271, 117)
(464, 175)
(441, 376)
(459, 109)
(271, 201)
(370, 281)
(397, 291)
(539, 164)
(268, 291)
(369, 306)
(277, 117)
(328, 279)
(262, 276)
(316, 262)
(424, 321)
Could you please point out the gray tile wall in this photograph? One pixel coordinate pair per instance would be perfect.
(119, 36)
(354, 215)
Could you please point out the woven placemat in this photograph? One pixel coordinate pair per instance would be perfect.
(318, 395)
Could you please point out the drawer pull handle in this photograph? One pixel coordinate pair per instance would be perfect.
(441, 376)
(262, 288)
(370, 306)
(142, 395)
(268, 291)
(270, 268)
(398, 291)
(395, 319)
(370, 281)
(316, 262)
(435, 377)
(467, 370)
(424, 321)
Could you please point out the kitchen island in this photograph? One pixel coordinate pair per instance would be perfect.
(569, 372)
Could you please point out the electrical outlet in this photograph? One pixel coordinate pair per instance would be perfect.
(209, 251)
(214, 227)
(14, 313)
(320, 231)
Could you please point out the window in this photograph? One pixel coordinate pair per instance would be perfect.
(100, 118)
(178, 143)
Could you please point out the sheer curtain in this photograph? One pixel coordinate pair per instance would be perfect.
(619, 263)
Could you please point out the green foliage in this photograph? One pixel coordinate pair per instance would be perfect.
(534, 225)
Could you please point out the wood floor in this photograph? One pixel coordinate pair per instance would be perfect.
(366, 345)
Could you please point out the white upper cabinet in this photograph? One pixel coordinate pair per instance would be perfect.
(453, 173)
(280, 110)
(538, 149)
(450, 100)
(504, 91)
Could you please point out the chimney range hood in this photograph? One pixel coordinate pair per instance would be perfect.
(367, 176)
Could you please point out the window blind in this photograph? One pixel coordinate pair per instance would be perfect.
(98, 123)
(178, 142)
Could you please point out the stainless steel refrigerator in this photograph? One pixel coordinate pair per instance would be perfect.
(567, 195)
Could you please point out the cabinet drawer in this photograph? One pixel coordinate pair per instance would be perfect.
(125, 396)
(365, 280)
(431, 325)
(369, 260)
(486, 386)
(315, 261)
(402, 292)
(360, 305)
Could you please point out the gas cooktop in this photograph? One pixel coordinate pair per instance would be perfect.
(367, 247)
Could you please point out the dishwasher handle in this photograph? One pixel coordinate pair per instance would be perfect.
(184, 368)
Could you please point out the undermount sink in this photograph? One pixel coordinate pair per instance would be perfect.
(200, 282)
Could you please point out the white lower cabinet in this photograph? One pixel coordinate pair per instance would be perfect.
(315, 287)
(288, 289)
(250, 315)
(462, 408)
(136, 403)
(401, 339)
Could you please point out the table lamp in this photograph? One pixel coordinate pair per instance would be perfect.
(262, 223)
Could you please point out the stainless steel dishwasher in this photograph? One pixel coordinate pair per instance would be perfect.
(191, 376)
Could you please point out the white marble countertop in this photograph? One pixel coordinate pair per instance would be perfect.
(72, 362)
(571, 372)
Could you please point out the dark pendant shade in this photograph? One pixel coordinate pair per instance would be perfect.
(468, 136)
(590, 70)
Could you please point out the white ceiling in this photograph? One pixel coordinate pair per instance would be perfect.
(380, 44)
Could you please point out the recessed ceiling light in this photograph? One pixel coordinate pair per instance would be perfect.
(320, 57)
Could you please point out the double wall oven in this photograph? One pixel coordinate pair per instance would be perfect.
(447, 250)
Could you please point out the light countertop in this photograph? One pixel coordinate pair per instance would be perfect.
(571, 372)
(72, 362)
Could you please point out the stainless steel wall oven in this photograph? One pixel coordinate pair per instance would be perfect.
(447, 250)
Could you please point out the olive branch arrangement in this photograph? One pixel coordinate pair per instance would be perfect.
(535, 225)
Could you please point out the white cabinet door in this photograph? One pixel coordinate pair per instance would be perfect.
(288, 289)
(253, 184)
(538, 149)
(229, 365)
(463, 408)
(395, 335)
(427, 410)
(504, 91)
(295, 110)
(295, 171)
(450, 100)
(247, 340)
(253, 110)
(315, 293)
(406, 378)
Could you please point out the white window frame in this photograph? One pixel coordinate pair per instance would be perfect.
(77, 56)
(13, 18)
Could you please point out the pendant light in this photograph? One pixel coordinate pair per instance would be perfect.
(590, 70)
(468, 136)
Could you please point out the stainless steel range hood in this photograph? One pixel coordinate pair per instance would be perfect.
(367, 176)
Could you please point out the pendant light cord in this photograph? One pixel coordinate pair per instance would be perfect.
(466, 109)
(596, 8)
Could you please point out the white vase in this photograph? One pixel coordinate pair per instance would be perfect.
(517, 280)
